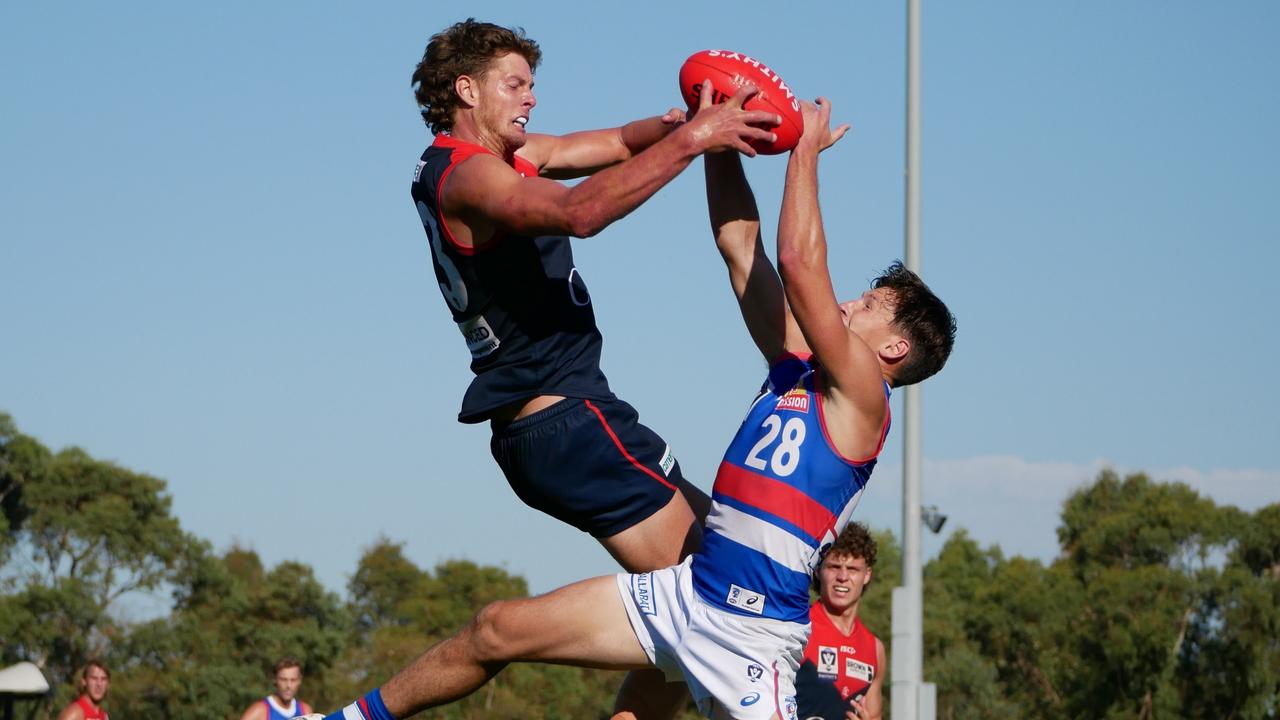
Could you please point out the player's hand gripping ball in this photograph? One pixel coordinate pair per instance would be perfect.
(729, 71)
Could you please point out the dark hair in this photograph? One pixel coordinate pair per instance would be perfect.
(855, 541)
(464, 48)
(286, 663)
(923, 318)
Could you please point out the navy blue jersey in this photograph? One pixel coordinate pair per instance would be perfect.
(522, 307)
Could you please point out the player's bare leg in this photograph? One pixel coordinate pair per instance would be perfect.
(651, 545)
(662, 539)
(582, 624)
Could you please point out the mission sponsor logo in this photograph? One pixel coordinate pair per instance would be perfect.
(797, 400)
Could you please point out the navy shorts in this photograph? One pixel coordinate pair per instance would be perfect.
(589, 463)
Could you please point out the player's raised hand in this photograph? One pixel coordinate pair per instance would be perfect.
(818, 135)
(727, 126)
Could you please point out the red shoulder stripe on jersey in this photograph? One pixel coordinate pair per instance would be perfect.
(462, 150)
(774, 497)
(822, 422)
(605, 424)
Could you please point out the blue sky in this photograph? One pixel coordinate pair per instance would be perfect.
(211, 271)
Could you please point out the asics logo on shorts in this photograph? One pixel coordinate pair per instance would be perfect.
(750, 700)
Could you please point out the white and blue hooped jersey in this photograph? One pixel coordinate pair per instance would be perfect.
(781, 495)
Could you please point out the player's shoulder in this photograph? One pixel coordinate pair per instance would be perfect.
(72, 712)
(537, 150)
(256, 711)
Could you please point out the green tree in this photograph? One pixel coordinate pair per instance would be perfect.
(81, 534)
(233, 620)
(400, 610)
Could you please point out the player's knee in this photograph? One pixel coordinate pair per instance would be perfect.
(489, 632)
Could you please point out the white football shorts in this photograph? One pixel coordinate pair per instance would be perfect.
(736, 667)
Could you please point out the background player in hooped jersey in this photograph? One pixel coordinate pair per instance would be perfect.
(733, 619)
(842, 675)
(283, 702)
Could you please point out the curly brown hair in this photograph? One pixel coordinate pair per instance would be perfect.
(464, 48)
(855, 541)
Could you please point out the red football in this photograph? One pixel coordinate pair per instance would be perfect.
(728, 71)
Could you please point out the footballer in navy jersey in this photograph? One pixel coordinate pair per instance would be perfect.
(498, 225)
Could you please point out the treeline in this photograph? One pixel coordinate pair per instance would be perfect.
(1160, 605)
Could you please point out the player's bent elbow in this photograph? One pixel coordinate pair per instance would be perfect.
(583, 225)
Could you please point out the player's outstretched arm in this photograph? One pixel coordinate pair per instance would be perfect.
(851, 366)
(487, 195)
(579, 154)
(735, 222)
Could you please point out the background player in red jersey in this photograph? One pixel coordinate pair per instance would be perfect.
(842, 676)
(95, 680)
(283, 702)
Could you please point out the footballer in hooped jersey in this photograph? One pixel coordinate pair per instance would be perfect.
(732, 620)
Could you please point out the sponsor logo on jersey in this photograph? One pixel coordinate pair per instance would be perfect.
(744, 599)
(642, 591)
(789, 706)
(848, 649)
(749, 699)
(797, 400)
(754, 672)
(479, 335)
(667, 462)
(858, 670)
(827, 658)
(417, 173)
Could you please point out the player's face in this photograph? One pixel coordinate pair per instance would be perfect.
(870, 315)
(96, 683)
(843, 579)
(506, 99)
(287, 682)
